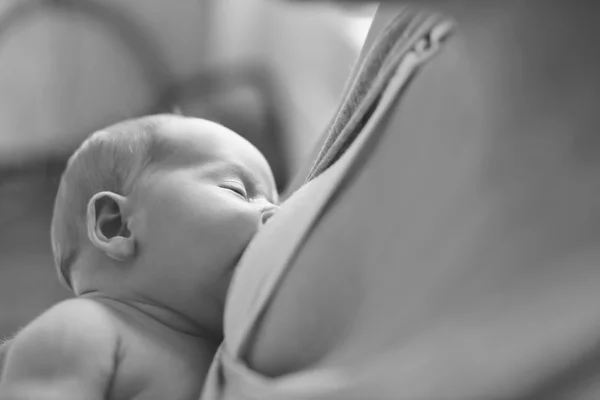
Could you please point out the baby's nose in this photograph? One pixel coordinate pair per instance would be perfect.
(267, 213)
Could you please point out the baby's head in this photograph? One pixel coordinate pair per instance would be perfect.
(159, 209)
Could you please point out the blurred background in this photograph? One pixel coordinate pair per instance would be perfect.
(272, 70)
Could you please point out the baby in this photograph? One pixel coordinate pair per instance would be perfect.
(150, 220)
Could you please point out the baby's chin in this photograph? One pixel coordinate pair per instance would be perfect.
(237, 260)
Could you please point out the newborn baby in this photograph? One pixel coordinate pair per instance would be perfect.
(150, 220)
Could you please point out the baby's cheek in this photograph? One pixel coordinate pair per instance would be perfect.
(249, 224)
(163, 222)
(238, 231)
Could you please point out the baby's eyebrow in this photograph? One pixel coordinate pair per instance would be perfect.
(217, 168)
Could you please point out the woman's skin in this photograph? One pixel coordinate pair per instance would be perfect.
(511, 126)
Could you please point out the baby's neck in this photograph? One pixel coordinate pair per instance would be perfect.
(154, 316)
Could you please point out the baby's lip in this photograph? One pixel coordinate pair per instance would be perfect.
(266, 215)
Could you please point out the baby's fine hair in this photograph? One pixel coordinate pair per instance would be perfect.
(109, 160)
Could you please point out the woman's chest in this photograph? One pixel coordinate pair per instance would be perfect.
(374, 254)
(439, 237)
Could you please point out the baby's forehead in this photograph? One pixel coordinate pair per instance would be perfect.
(185, 143)
(195, 142)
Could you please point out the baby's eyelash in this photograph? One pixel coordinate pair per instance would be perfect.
(236, 188)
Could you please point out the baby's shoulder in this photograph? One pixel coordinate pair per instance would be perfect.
(76, 316)
(70, 339)
(79, 325)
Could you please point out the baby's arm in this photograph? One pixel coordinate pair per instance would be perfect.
(67, 353)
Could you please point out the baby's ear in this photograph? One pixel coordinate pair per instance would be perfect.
(107, 226)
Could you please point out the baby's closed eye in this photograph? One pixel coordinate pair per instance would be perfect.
(236, 187)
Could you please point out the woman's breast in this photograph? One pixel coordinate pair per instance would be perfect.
(437, 248)
(298, 287)
(264, 263)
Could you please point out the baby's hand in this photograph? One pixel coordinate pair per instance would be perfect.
(67, 353)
